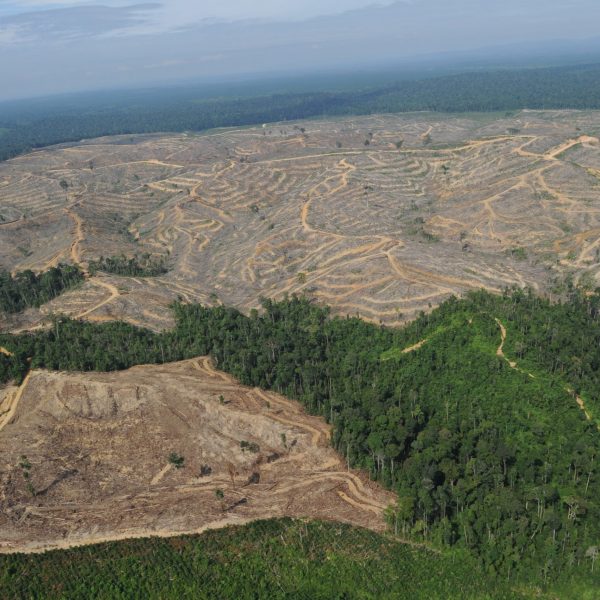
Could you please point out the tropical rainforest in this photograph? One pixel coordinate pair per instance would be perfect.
(483, 415)
(30, 124)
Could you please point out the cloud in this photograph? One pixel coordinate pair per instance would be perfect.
(64, 24)
(22, 6)
(11, 34)
(168, 15)
(163, 64)
(180, 12)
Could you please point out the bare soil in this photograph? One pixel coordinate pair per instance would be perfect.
(371, 230)
(97, 447)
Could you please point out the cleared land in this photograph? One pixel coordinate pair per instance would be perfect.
(95, 448)
(382, 216)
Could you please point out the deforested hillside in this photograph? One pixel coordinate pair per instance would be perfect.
(163, 450)
(380, 216)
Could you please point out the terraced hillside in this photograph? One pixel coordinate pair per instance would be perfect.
(382, 216)
(160, 451)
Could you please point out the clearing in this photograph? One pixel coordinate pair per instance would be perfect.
(377, 230)
(96, 451)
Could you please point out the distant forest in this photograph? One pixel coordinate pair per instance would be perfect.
(32, 124)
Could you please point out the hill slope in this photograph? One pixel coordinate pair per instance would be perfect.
(380, 216)
(487, 433)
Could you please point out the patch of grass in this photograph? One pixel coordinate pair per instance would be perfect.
(176, 460)
(518, 253)
(249, 446)
(565, 227)
(24, 251)
(545, 195)
(145, 265)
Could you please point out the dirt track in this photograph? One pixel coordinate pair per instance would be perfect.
(98, 446)
(513, 365)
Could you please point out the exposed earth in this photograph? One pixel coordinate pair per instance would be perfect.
(96, 448)
(382, 216)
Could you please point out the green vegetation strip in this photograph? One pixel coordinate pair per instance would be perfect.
(483, 457)
(279, 559)
(145, 265)
(26, 289)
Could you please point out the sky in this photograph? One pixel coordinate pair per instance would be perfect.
(50, 46)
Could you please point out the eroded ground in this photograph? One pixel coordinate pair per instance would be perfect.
(96, 450)
(382, 216)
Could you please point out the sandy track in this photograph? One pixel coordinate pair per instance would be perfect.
(11, 403)
(319, 436)
(500, 350)
(415, 346)
(113, 293)
(75, 249)
(555, 152)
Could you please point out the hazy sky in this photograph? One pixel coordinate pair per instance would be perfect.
(162, 16)
(49, 46)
